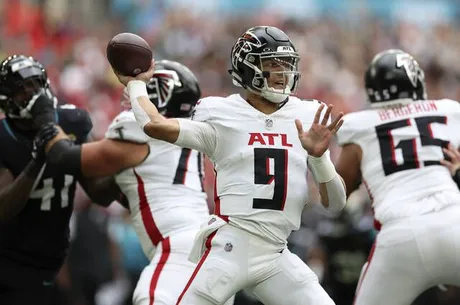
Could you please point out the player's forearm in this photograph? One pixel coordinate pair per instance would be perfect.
(331, 185)
(147, 116)
(13, 197)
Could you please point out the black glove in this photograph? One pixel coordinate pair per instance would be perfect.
(42, 108)
(456, 177)
(45, 134)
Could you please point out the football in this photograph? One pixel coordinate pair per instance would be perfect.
(129, 54)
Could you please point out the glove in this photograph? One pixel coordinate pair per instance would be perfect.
(45, 134)
(41, 108)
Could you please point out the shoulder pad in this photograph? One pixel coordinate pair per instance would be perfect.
(76, 119)
(125, 128)
(354, 124)
(202, 111)
(307, 100)
(448, 104)
(307, 110)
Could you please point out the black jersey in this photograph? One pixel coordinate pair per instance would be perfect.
(39, 235)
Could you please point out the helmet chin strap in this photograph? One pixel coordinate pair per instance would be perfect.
(276, 96)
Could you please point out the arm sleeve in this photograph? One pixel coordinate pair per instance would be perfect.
(199, 133)
(200, 136)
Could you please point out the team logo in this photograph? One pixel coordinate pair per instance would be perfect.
(268, 123)
(228, 247)
(248, 40)
(163, 83)
(411, 67)
(245, 44)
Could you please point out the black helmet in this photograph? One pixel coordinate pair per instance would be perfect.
(394, 75)
(252, 49)
(21, 77)
(173, 89)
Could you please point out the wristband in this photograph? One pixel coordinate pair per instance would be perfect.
(137, 88)
(322, 168)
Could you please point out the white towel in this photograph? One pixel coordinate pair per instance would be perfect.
(199, 244)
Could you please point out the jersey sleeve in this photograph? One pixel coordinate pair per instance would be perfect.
(347, 133)
(125, 128)
(202, 113)
(198, 133)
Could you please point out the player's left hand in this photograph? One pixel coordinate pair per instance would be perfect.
(454, 163)
(45, 134)
(144, 76)
(41, 107)
(317, 139)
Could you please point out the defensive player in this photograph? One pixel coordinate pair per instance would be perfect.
(395, 148)
(36, 199)
(260, 153)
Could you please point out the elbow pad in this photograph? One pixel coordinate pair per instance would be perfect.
(66, 156)
(336, 193)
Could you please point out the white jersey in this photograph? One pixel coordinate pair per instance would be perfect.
(401, 149)
(165, 191)
(261, 167)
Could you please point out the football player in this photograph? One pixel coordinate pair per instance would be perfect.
(260, 153)
(162, 182)
(36, 199)
(395, 148)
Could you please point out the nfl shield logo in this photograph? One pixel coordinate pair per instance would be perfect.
(211, 221)
(268, 123)
(228, 247)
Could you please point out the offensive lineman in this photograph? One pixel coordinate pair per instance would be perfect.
(397, 147)
(161, 182)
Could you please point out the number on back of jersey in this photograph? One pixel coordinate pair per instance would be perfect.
(403, 154)
(48, 192)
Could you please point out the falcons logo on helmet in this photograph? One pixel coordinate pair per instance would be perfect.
(245, 44)
(411, 67)
(162, 86)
